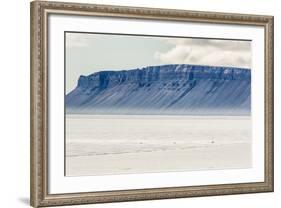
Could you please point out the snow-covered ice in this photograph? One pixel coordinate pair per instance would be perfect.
(121, 144)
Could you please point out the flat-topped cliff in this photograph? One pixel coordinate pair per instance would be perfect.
(167, 89)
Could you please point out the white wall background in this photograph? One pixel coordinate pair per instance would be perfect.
(14, 110)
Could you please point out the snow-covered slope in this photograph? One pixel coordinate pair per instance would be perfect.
(167, 89)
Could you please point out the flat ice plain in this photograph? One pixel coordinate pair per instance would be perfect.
(123, 144)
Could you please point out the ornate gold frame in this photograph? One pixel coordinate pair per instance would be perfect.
(39, 104)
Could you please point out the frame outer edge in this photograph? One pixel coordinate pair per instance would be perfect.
(272, 94)
(32, 178)
(271, 99)
(33, 183)
(32, 139)
(34, 200)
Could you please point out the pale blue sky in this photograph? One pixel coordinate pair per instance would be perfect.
(88, 53)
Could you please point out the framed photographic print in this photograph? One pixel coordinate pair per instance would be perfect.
(142, 103)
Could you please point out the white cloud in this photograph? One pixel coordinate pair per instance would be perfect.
(207, 52)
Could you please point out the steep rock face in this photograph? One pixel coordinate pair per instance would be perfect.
(167, 89)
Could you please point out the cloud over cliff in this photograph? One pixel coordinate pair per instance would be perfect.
(207, 52)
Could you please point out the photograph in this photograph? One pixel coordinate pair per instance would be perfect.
(147, 104)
